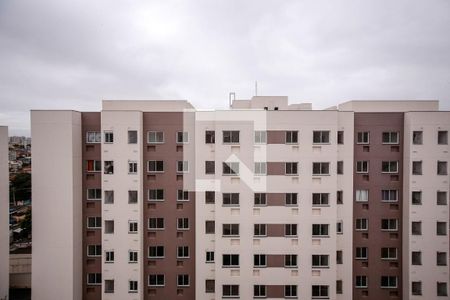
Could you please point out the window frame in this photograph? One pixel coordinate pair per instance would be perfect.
(155, 133)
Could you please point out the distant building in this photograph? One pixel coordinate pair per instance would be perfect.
(4, 214)
(158, 200)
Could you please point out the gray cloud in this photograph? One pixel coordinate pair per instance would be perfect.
(71, 54)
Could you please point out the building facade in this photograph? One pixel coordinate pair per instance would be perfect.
(158, 200)
(4, 214)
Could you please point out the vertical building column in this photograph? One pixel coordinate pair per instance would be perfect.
(57, 205)
(4, 216)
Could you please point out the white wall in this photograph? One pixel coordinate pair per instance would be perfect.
(4, 213)
(57, 205)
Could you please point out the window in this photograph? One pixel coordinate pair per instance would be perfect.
(230, 168)
(388, 281)
(339, 257)
(182, 223)
(260, 199)
(132, 226)
(230, 260)
(109, 286)
(362, 224)
(389, 253)
(132, 256)
(389, 224)
(210, 197)
(260, 137)
(442, 137)
(210, 227)
(321, 168)
(290, 229)
(210, 137)
(416, 288)
(132, 167)
(441, 258)
(340, 197)
(132, 137)
(94, 250)
(416, 228)
(94, 222)
(389, 167)
(362, 195)
(230, 229)
(260, 168)
(156, 280)
(93, 137)
(290, 260)
(210, 286)
(94, 278)
(156, 252)
(109, 167)
(361, 282)
(441, 288)
(320, 261)
(441, 228)
(340, 227)
(210, 167)
(417, 138)
(291, 199)
(182, 137)
(290, 291)
(132, 286)
(416, 258)
(182, 252)
(291, 168)
(94, 194)
(320, 230)
(441, 198)
(390, 138)
(259, 291)
(109, 226)
(259, 260)
(230, 290)
(416, 197)
(339, 287)
(156, 223)
(389, 195)
(209, 256)
(340, 137)
(109, 197)
(362, 166)
(182, 195)
(183, 280)
(156, 195)
(109, 256)
(182, 166)
(93, 166)
(442, 168)
(291, 137)
(154, 166)
(230, 199)
(109, 137)
(321, 137)
(132, 197)
(320, 199)
(417, 168)
(320, 291)
(260, 229)
(155, 137)
(340, 167)
(363, 137)
(230, 137)
(361, 253)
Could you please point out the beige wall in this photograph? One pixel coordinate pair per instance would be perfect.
(20, 271)
(4, 215)
(57, 226)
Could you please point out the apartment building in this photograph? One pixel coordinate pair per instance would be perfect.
(158, 200)
(4, 214)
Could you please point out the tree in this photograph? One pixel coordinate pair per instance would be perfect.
(25, 224)
(20, 188)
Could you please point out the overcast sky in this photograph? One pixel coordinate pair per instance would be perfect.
(57, 54)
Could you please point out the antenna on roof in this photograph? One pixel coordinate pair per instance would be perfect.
(256, 88)
(231, 97)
